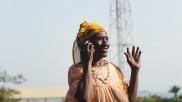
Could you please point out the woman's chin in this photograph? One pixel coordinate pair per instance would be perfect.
(104, 55)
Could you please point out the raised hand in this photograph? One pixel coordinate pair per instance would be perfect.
(133, 58)
(87, 51)
(84, 88)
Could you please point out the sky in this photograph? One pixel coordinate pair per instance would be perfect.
(36, 38)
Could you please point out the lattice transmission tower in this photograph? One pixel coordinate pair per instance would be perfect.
(120, 33)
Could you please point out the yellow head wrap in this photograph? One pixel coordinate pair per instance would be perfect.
(87, 30)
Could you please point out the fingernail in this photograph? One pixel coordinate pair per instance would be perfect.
(86, 42)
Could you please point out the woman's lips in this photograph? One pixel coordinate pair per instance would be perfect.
(104, 49)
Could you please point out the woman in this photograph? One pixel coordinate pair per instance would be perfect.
(92, 78)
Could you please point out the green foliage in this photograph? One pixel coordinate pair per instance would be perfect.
(174, 89)
(155, 98)
(6, 78)
(7, 94)
(180, 96)
(144, 99)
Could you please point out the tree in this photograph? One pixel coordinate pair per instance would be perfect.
(6, 94)
(180, 96)
(174, 89)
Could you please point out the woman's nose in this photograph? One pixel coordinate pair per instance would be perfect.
(105, 42)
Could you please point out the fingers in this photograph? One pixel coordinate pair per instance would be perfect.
(133, 51)
(127, 56)
(89, 46)
(139, 54)
(128, 51)
(137, 50)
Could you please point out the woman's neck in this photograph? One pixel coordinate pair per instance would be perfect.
(98, 62)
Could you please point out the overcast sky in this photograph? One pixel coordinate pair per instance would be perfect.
(36, 38)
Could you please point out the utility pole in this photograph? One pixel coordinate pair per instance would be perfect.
(120, 33)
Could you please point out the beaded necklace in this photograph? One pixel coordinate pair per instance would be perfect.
(103, 80)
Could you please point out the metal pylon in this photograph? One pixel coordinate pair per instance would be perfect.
(120, 33)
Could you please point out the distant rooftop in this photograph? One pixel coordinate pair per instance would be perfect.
(41, 92)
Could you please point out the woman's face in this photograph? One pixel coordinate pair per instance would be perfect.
(101, 44)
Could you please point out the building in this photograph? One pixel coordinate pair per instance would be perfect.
(41, 94)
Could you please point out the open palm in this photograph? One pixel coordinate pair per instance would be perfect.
(133, 58)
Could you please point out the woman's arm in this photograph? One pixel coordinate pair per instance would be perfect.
(135, 63)
(84, 89)
(133, 87)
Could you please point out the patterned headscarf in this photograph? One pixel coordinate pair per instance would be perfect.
(86, 31)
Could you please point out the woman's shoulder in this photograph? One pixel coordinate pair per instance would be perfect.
(75, 73)
(118, 70)
(116, 67)
(76, 69)
(76, 66)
